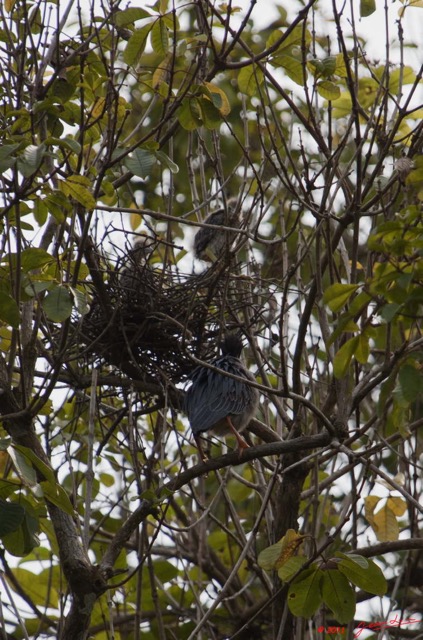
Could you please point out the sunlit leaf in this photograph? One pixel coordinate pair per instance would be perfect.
(34, 258)
(58, 304)
(397, 505)
(385, 524)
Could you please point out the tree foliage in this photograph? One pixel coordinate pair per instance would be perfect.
(120, 123)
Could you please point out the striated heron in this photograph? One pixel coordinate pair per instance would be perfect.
(215, 402)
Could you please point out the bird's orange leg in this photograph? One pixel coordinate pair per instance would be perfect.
(203, 456)
(241, 442)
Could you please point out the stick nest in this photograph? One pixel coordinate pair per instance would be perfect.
(149, 319)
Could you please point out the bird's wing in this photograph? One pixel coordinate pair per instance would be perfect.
(212, 397)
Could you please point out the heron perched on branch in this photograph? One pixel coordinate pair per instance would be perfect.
(210, 243)
(219, 403)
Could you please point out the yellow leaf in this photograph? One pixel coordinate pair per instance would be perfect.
(386, 525)
(161, 72)
(99, 108)
(370, 504)
(122, 109)
(397, 505)
(135, 221)
(290, 544)
(277, 554)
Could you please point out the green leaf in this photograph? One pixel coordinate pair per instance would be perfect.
(58, 205)
(298, 37)
(22, 465)
(160, 37)
(361, 561)
(77, 187)
(411, 382)
(343, 106)
(42, 467)
(209, 114)
(5, 443)
(328, 90)
(11, 517)
(23, 540)
(164, 159)
(368, 577)
(31, 159)
(81, 301)
(342, 359)
(40, 211)
(66, 143)
(130, 15)
(249, 80)
(35, 258)
(54, 493)
(389, 311)
(218, 97)
(304, 595)
(6, 156)
(291, 567)
(293, 67)
(338, 595)
(58, 304)
(362, 351)
(140, 162)
(268, 558)
(136, 45)
(9, 311)
(338, 294)
(189, 114)
(367, 7)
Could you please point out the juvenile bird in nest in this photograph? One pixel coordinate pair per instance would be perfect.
(210, 244)
(135, 262)
(218, 403)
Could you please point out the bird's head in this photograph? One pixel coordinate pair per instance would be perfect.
(231, 345)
